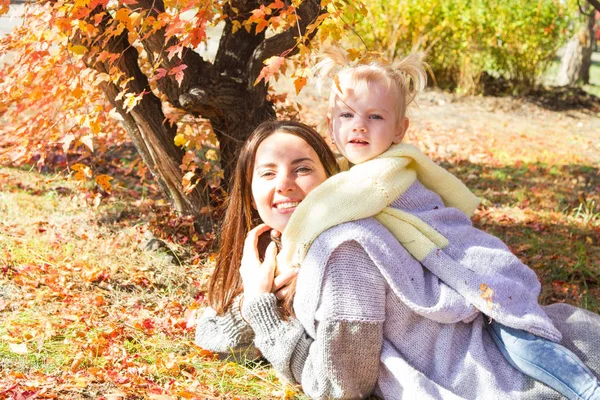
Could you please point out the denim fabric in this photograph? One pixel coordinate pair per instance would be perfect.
(547, 362)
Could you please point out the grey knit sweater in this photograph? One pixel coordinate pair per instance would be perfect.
(370, 318)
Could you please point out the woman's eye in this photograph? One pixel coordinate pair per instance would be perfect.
(303, 170)
(267, 174)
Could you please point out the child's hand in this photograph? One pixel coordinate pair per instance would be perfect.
(282, 281)
(257, 277)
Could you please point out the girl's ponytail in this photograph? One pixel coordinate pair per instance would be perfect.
(411, 75)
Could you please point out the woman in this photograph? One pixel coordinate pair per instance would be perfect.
(368, 316)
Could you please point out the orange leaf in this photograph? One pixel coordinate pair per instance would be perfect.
(277, 4)
(4, 6)
(104, 182)
(299, 83)
(261, 25)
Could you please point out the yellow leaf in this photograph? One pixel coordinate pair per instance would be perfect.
(131, 101)
(353, 54)
(78, 49)
(211, 155)
(336, 80)
(180, 140)
(487, 293)
(82, 172)
(236, 26)
(95, 127)
(20, 348)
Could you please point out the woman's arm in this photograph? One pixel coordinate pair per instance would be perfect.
(227, 335)
(342, 360)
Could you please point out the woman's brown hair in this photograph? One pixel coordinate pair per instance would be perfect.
(240, 217)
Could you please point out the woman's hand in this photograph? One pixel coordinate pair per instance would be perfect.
(283, 277)
(257, 277)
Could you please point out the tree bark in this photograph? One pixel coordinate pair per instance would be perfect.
(577, 59)
(588, 48)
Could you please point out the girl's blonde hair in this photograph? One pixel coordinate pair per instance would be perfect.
(406, 77)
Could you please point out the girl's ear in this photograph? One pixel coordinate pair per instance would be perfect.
(254, 204)
(402, 128)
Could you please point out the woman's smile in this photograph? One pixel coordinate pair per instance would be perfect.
(286, 206)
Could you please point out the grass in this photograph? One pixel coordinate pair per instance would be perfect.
(84, 312)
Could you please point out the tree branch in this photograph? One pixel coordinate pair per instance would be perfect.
(595, 3)
(156, 44)
(308, 12)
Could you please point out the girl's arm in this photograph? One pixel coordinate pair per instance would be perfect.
(342, 360)
(227, 335)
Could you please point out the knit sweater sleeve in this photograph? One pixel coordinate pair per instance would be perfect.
(227, 335)
(342, 360)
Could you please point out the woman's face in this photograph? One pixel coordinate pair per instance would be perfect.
(286, 169)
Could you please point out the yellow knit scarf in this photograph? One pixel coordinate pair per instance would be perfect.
(367, 190)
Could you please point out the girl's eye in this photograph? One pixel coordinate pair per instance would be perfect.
(346, 115)
(375, 116)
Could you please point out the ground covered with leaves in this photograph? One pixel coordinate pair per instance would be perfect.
(94, 305)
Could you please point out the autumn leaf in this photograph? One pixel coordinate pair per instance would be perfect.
(178, 72)
(180, 140)
(82, 172)
(160, 73)
(354, 54)
(88, 141)
(211, 154)
(271, 68)
(78, 49)
(336, 80)
(104, 182)
(277, 4)
(4, 6)
(236, 25)
(487, 294)
(299, 83)
(20, 348)
(261, 25)
(66, 141)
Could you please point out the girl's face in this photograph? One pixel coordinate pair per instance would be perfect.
(286, 169)
(365, 125)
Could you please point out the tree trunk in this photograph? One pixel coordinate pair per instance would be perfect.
(570, 63)
(577, 58)
(588, 48)
(151, 134)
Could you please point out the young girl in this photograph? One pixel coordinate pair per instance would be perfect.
(411, 196)
(369, 317)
